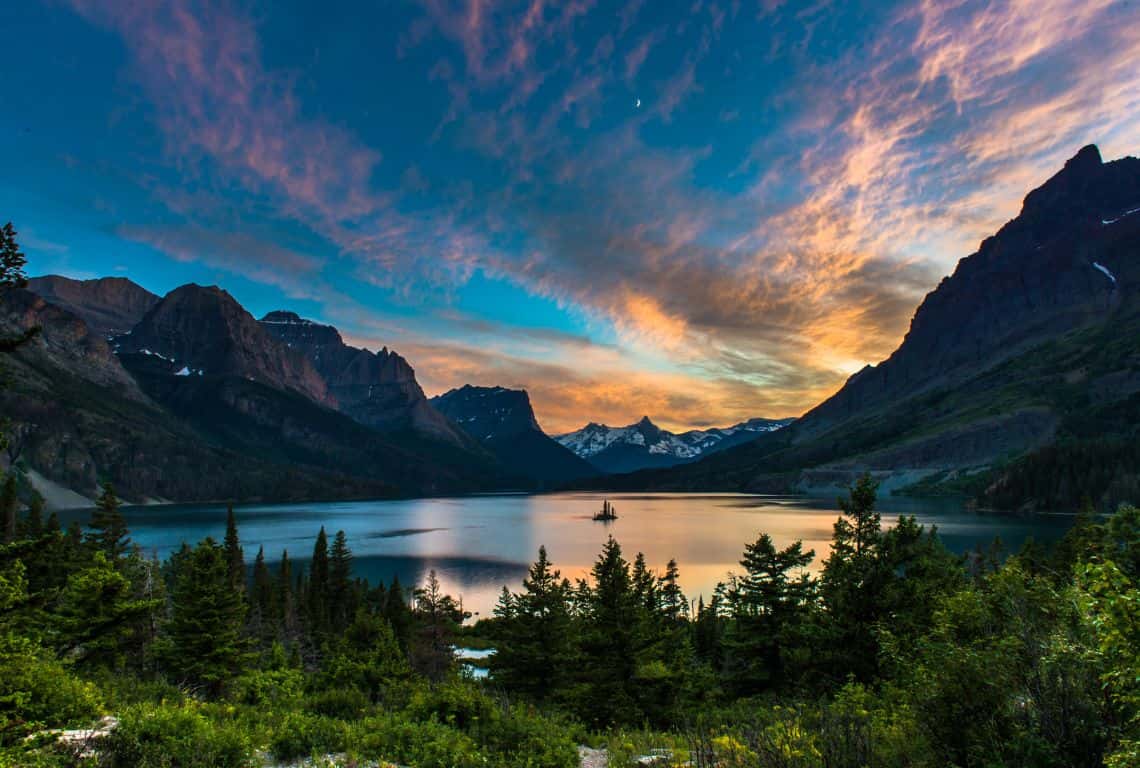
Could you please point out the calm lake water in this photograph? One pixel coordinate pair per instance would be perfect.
(477, 544)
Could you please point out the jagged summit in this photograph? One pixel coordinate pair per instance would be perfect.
(203, 328)
(503, 420)
(644, 445)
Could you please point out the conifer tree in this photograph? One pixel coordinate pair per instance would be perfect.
(34, 520)
(235, 557)
(207, 616)
(262, 614)
(12, 259)
(317, 594)
(8, 507)
(609, 643)
(398, 614)
(674, 607)
(436, 616)
(109, 533)
(341, 603)
(534, 653)
(769, 606)
(286, 598)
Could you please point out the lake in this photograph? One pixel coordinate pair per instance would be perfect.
(477, 544)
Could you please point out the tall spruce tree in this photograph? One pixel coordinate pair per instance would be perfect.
(9, 503)
(534, 653)
(109, 533)
(317, 594)
(262, 613)
(342, 606)
(207, 646)
(12, 259)
(609, 641)
(769, 605)
(286, 600)
(235, 557)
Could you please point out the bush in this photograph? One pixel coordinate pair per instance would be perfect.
(273, 687)
(176, 737)
(343, 704)
(302, 735)
(424, 745)
(38, 692)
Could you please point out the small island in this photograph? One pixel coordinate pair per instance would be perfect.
(607, 512)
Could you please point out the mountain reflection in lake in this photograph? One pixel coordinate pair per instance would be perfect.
(477, 544)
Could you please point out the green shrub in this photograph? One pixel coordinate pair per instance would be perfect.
(424, 745)
(176, 737)
(37, 691)
(275, 687)
(343, 704)
(301, 735)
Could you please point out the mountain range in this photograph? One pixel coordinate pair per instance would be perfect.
(1017, 383)
(643, 445)
(188, 396)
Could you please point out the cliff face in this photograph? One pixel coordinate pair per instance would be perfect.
(203, 329)
(1058, 266)
(108, 305)
(377, 389)
(503, 421)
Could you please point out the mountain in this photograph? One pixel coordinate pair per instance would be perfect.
(107, 305)
(77, 417)
(198, 401)
(379, 389)
(200, 329)
(503, 420)
(644, 445)
(1034, 338)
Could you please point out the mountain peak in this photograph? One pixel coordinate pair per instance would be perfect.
(645, 422)
(1087, 157)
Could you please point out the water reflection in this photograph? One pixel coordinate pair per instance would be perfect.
(478, 544)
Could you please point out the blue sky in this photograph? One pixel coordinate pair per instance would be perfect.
(699, 211)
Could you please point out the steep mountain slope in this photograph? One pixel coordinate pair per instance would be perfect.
(377, 389)
(1036, 331)
(503, 420)
(204, 329)
(108, 305)
(645, 445)
(78, 418)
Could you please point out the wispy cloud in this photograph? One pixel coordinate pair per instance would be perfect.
(739, 277)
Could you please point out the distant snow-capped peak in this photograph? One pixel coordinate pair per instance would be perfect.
(594, 438)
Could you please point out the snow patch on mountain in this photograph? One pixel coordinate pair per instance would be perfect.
(594, 438)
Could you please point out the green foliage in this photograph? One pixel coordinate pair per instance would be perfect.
(204, 644)
(12, 259)
(37, 691)
(300, 735)
(109, 533)
(182, 736)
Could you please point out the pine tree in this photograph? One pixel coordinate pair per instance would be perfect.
(12, 260)
(341, 603)
(8, 507)
(317, 594)
(534, 651)
(109, 533)
(609, 643)
(286, 599)
(398, 614)
(235, 557)
(205, 631)
(769, 607)
(673, 604)
(33, 527)
(434, 614)
(262, 614)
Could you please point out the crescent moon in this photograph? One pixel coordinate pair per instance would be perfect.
(638, 104)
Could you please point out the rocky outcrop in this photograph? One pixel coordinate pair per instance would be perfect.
(503, 420)
(378, 389)
(203, 329)
(108, 305)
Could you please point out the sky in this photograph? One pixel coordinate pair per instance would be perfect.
(698, 211)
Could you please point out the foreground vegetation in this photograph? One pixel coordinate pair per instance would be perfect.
(898, 654)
